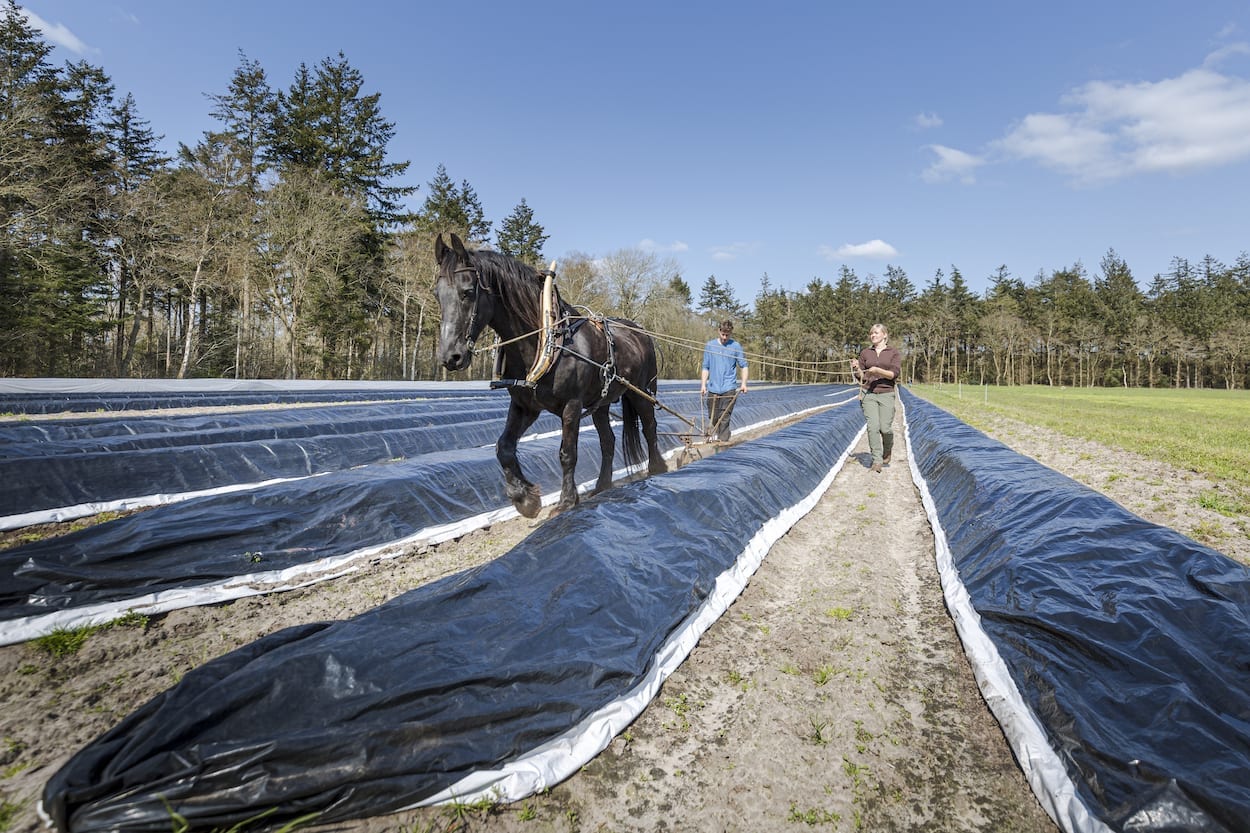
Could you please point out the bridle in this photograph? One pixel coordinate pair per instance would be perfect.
(472, 331)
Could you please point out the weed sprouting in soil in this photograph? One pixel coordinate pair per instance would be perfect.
(817, 735)
(9, 811)
(813, 816)
(64, 642)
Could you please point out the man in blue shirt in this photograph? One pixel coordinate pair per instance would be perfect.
(721, 359)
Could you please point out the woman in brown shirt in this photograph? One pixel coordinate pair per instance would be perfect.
(877, 368)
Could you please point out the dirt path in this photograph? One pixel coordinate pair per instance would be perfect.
(832, 694)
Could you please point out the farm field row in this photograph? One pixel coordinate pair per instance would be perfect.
(1203, 434)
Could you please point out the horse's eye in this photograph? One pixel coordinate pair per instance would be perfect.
(467, 294)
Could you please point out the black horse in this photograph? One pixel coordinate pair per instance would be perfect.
(595, 363)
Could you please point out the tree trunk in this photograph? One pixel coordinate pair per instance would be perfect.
(188, 339)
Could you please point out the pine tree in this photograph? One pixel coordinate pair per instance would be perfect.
(136, 160)
(326, 123)
(478, 226)
(521, 237)
(448, 208)
(681, 291)
(718, 299)
(248, 113)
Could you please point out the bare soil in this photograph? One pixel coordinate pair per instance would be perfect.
(832, 694)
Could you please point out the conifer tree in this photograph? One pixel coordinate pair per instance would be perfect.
(521, 237)
(248, 112)
(451, 208)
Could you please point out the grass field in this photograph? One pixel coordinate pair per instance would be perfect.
(1204, 431)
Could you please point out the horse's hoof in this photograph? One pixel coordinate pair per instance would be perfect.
(529, 503)
(657, 467)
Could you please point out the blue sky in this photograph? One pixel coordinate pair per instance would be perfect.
(741, 141)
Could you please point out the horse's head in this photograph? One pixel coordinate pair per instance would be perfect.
(466, 302)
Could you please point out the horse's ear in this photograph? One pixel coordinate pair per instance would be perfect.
(439, 247)
(457, 246)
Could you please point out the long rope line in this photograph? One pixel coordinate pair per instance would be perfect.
(830, 367)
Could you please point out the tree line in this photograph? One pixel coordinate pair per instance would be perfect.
(279, 245)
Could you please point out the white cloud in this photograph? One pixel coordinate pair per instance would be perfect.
(952, 164)
(1111, 129)
(928, 120)
(733, 251)
(876, 249)
(649, 245)
(58, 34)
(1223, 52)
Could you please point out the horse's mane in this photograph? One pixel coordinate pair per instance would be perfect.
(517, 284)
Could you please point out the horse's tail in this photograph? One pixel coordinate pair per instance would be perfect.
(631, 434)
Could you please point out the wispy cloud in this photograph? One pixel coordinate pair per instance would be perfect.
(649, 245)
(1113, 129)
(952, 164)
(57, 34)
(733, 251)
(1219, 55)
(927, 120)
(874, 249)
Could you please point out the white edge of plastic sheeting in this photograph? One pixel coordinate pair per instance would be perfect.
(84, 510)
(561, 757)
(1042, 767)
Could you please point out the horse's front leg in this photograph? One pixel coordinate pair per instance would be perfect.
(525, 496)
(607, 447)
(571, 418)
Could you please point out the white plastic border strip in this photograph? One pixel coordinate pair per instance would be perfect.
(562, 756)
(1043, 769)
(237, 587)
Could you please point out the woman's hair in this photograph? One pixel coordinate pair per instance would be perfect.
(885, 331)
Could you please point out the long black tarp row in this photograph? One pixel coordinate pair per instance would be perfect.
(232, 544)
(107, 398)
(53, 438)
(1114, 652)
(496, 682)
(62, 396)
(58, 480)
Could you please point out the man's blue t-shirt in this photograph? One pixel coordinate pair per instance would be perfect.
(721, 361)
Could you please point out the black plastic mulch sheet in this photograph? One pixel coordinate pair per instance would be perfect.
(1129, 642)
(102, 399)
(217, 547)
(399, 704)
(55, 474)
(50, 469)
